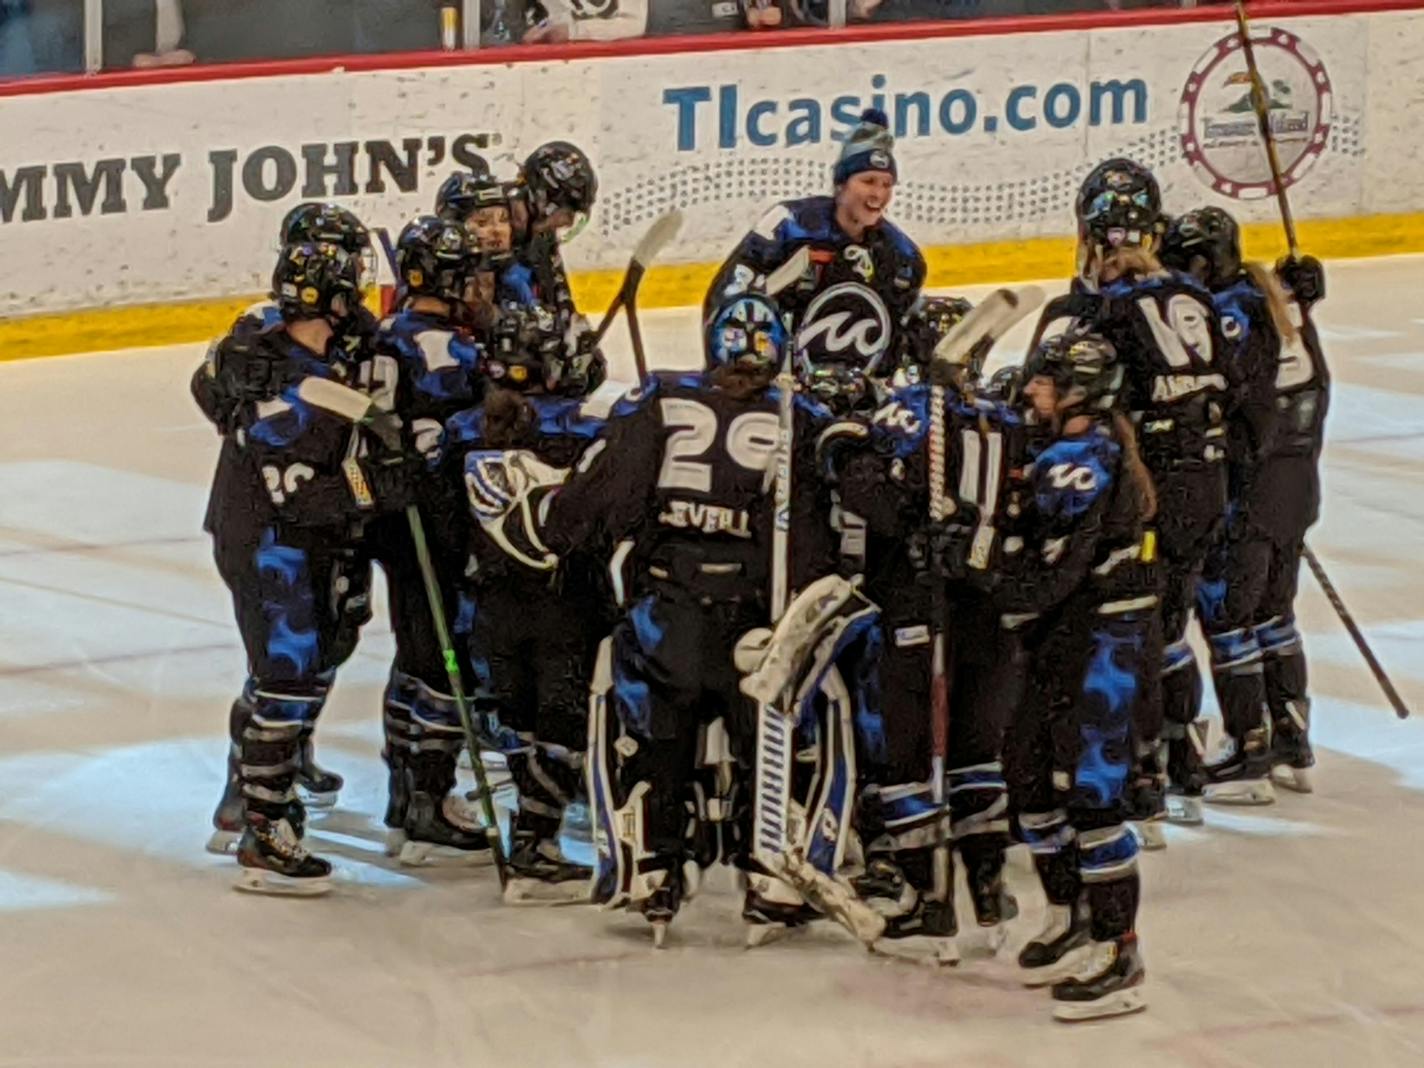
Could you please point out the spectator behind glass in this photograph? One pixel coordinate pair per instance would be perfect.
(553, 21)
(43, 38)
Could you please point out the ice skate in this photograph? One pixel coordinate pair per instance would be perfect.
(439, 834)
(1242, 775)
(1292, 758)
(926, 934)
(539, 874)
(772, 909)
(1059, 948)
(994, 906)
(1184, 771)
(316, 786)
(1109, 983)
(227, 817)
(1146, 804)
(661, 903)
(274, 861)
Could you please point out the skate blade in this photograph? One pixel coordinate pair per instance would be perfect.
(764, 934)
(927, 952)
(1150, 834)
(1118, 1003)
(262, 881)
(313, 799)
(1049, 974)
(991, 939)
(223, 843)
(1297, 780)
(1184, 810)
(660, 930)
(415, 854)
(1246, 792)
(535, 892)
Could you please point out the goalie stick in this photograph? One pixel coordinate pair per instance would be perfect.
(985, 324)
(1260, 102)
(777, 840)
(659, 235)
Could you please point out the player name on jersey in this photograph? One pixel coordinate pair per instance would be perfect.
(707, 518)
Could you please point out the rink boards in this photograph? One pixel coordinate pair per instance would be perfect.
(140, 207)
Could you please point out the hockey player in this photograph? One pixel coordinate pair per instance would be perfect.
(884, 490)
(289, 500)
(1168, 337)
(1286, 498)
(537, 620)
(239, 372)
(1085, 571)
(481, 203)
(685, 474)
(554, 195)
(426, 366)
(852, 244)
(1206, 243)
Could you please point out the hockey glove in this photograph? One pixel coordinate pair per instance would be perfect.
(1305, 278)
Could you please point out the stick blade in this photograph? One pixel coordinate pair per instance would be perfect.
(664, 229)
(332, 396)
(989, 320)
(788, 272)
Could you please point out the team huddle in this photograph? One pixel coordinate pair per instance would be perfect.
(834, 609)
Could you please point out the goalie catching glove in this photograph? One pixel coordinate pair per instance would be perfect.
(509, 492)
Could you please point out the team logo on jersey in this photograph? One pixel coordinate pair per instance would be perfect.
(1219, 133)
(860, 260)
(846, 323)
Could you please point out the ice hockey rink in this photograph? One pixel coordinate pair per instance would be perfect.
(1289, 935)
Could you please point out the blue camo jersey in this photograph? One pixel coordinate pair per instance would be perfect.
(425, 369)
(901, 425)
(1071, 475)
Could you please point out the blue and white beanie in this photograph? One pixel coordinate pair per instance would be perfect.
(870, 147)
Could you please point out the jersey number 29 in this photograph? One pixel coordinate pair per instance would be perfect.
(749, 442)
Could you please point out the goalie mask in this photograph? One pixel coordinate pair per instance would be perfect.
(747, 332)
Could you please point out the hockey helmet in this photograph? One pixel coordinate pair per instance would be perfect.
(316, 280)
(526, 348)
(465, 192)
(435, 258)
(1205, 242)
(747, 331)
(315, 221)
(925, 327)
(558, 175)
(1119, 203)
(1083, 366)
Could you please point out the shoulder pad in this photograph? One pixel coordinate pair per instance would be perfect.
(464, 427)
(901, 423)
(1072, 473)
(639, 394)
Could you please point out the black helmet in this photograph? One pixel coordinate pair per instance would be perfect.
(1083, 366)
(316, 221)
(526, 348)
(316, 280)
(435, 258)
(1120, 203)
(928, 322)
(465, 192)
(559, 175)
(1208, 234)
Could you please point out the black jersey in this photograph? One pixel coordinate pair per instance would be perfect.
(685, 470)
(1180, 379)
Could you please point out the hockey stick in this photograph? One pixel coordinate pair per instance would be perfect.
(452, 672)
(985, 324)
(772, 830)
(1260, 103)
(659, 235)
(1376, 669)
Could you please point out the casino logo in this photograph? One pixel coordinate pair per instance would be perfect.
(1219, 132)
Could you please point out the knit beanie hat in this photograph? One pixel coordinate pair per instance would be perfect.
(870, 147)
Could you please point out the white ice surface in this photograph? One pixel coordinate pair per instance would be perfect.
(1292, 935)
